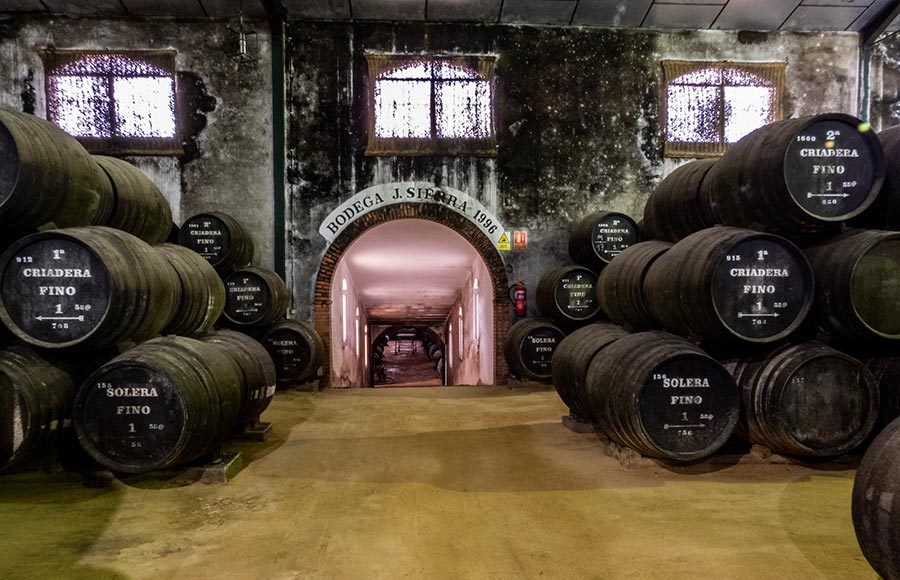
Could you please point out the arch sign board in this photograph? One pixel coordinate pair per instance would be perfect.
(386, 194)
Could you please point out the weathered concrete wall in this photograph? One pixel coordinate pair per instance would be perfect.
(577, 118)
(225, 110)
(884, 84)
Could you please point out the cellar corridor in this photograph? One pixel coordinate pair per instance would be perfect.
(391, 483)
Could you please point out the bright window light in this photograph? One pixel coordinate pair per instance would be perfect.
(459, 328)
(145, 106)
(366, 346)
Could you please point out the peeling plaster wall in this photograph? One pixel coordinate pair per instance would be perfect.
(577, 118)
(225, 110)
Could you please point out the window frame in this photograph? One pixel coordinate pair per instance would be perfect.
(54, 59)
(379, 63)
(773, 72)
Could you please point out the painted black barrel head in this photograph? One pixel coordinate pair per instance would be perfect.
(576, 294)
(612, 234)
(208, 236)
(830, 168)
(54, 289)
(689, 406)
(760, 288)
(536, 350)
(247, 297)
(290, 352)
(130, 417)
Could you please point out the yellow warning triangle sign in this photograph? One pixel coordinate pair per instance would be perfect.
(503, 242)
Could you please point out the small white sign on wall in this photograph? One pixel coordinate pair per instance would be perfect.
(386, 194)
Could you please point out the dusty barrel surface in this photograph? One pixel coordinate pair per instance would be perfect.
(257, 369)
(255, 297)
(218, 237)
(884, 213)
(620, 287)
(36, 400)
(138, 207)
(806, 399)
(529, 348)
(886, 370)
(85, 288)
(662, 396)
(600, 237)
(798, 175)
(202, 297)
(297, 351)
(730, 283)
(568, 295)
(47, 176)
(858, 284)
(571, 360)
(676, 208)
(876, 510)
(163, 403)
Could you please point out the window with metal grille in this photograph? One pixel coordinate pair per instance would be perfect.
(114, 102)
(708, 105)
(431, 106)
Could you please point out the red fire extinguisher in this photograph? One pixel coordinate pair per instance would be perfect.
(518, 295)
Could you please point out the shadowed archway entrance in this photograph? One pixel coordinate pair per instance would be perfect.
(415, 211)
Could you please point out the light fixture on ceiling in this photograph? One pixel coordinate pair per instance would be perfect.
(247, 43)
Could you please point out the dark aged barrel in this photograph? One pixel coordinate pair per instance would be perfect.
(886, 370)
(797, 176)
(571, 360)
(161, 404)
(806, 399)
(257, 370)
(47, 176)
(297, 350)
(87, 287)
(620, 287)
(35, 405)
(876, 503)
(202, 291)
(676, 209)
(729, 283)
(255, 297)
(568, 295)
(434, 351)
(662, 396)
(858, 284)
(600, 237)
(884, 214)
(218, 237)
(139, 207)
(529, 348)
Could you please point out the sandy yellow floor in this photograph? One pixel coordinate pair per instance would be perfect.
(434, 483)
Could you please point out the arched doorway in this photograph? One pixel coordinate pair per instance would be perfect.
(331, 285)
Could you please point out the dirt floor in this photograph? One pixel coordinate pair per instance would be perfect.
(463, 482)
(406, 364)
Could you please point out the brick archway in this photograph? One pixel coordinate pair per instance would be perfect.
(423, 211)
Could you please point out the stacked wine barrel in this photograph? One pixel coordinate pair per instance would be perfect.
(297, 351)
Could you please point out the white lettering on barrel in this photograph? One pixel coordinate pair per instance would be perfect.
(56, 290)
(133, 410)
(751, 289)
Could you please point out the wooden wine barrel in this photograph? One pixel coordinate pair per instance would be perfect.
(47, 177)
(139, 207)
(729, 283)
(434, 351)
(202, 297)
(297, 350)
(221, 239)
(858, 284)
(884, 213)
(571, 360)
(172, 237)
(676, 209)
(806, 399)
(886, 370)
(875, 507)
(257, 370)
(85, 288)
(529, 348)
(439, 364)
(568, 296)
(797, 176)
(255, 297)
(662, 396)
(161, 404)
(620, 287)
(600, 237)
(35, 406)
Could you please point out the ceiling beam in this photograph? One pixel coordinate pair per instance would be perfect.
(875, 27)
